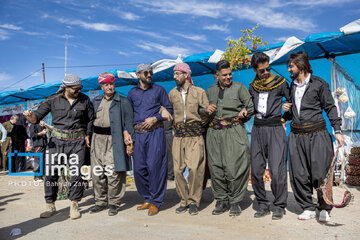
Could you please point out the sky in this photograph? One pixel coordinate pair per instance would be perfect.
(122, 34)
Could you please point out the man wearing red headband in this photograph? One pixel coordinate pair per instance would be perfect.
(188, 148)
(108, 149)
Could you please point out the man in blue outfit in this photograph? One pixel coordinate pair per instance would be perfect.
(150, 158)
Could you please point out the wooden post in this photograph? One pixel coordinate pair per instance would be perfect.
(43, 68)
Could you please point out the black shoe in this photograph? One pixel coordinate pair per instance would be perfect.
(97, 208)
(193, 210)
(113, 210)
(38, 179)
(181, 209)
(278, 213)
(234, 210)
(262, 212)
(220, 207)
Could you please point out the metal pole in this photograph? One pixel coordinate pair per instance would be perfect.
(43, 69)
(66, 36)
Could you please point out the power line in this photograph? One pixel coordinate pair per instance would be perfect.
(100, 65)
(20, 80)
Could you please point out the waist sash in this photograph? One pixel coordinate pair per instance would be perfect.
(188, 129)
(223, 123)
(101, 130)
(139, 128)
(308, 127)
(270, 122)
(68, 135)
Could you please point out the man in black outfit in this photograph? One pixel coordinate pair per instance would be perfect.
(38, 136)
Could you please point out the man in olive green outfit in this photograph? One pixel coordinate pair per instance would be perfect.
(188, 147)
(227, 142)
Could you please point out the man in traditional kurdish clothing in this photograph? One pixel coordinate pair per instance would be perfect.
(72, 118)
(227, 142)
(38, 136)
(310, 145)
(150, 160)
(268, 138)
(188, 148)
(8, 125)
(113, 128)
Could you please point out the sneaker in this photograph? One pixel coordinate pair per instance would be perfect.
(324, 216)
(38, 179)
(278, 213)
(234, 210)
(262, 212)
(193, 210)
(306, 215)
(96, 209)
(181, 209)
(113, 210)
(220, 207)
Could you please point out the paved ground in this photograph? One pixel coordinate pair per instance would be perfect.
(21, 201)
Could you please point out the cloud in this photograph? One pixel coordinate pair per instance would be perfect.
(281, 39)
(104, 27)
(4, 35)
(10, 27)
(192, 37)
(172, 51)
(35, 74)
(122, 53)
(5, 77)
(216, 27)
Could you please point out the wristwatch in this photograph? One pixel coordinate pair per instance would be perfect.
(338, 131)
(154, 119)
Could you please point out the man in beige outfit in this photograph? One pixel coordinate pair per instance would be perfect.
(188, 146)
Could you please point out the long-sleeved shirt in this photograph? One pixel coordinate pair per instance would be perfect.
(316, 98)
(68, 117)
(230, 101)
(38, 140)
(273, 102)
(195, 104)
(146, 103)
(3, 133)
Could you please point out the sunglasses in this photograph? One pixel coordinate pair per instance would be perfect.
(77, 89)
(147, 73)
(261, 71)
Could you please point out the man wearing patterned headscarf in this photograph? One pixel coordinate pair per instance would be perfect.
(108, 149)
(150, 158)
(72, 118)
(188, 150)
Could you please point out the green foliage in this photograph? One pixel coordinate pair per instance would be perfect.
(237, 52)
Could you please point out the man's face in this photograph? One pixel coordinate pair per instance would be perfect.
(13, 121)
(263, 70)
(180, 78)
(73, 91)
(145, 76)
(293, 70)
(108, 88)
(225, 77)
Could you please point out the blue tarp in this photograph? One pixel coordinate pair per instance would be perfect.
(346, 48)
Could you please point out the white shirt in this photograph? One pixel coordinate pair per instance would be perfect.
(299, 92)
(183, 94)
(262, 104)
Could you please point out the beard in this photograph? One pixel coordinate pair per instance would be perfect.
(294, 75)
(147, 80)
(180, 83)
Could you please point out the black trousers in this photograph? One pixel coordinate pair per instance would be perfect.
(39, 149)
(19, 164)
(310, 157)
(269, 143)
(75, 154)
(169, 142)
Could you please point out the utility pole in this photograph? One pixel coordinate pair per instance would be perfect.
(43, 68)
(66, 40)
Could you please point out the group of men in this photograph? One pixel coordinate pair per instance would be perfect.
(208, 126)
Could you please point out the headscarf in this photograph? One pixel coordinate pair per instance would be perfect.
(143, 67)
(69, 80)
(183, 67)
(106, 78)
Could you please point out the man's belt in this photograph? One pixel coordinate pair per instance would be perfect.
(101, 130)
(308, 127)
(139, 128)
(267, 122)
(68, 134)
(192, 129)
(223, 123)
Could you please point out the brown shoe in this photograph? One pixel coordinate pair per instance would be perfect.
(153, 210)
(144, 206)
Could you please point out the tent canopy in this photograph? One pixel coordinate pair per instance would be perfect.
(343, 45)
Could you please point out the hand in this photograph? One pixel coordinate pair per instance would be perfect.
(287, 106)
(340, 139)
(130, 149)
(284, 126)
(149, 122)
(166, 115)
(87, 141)
(43, 132)
(242, 113)
(42, 123)
(127, 138)
(30, 116)
(210, 109)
